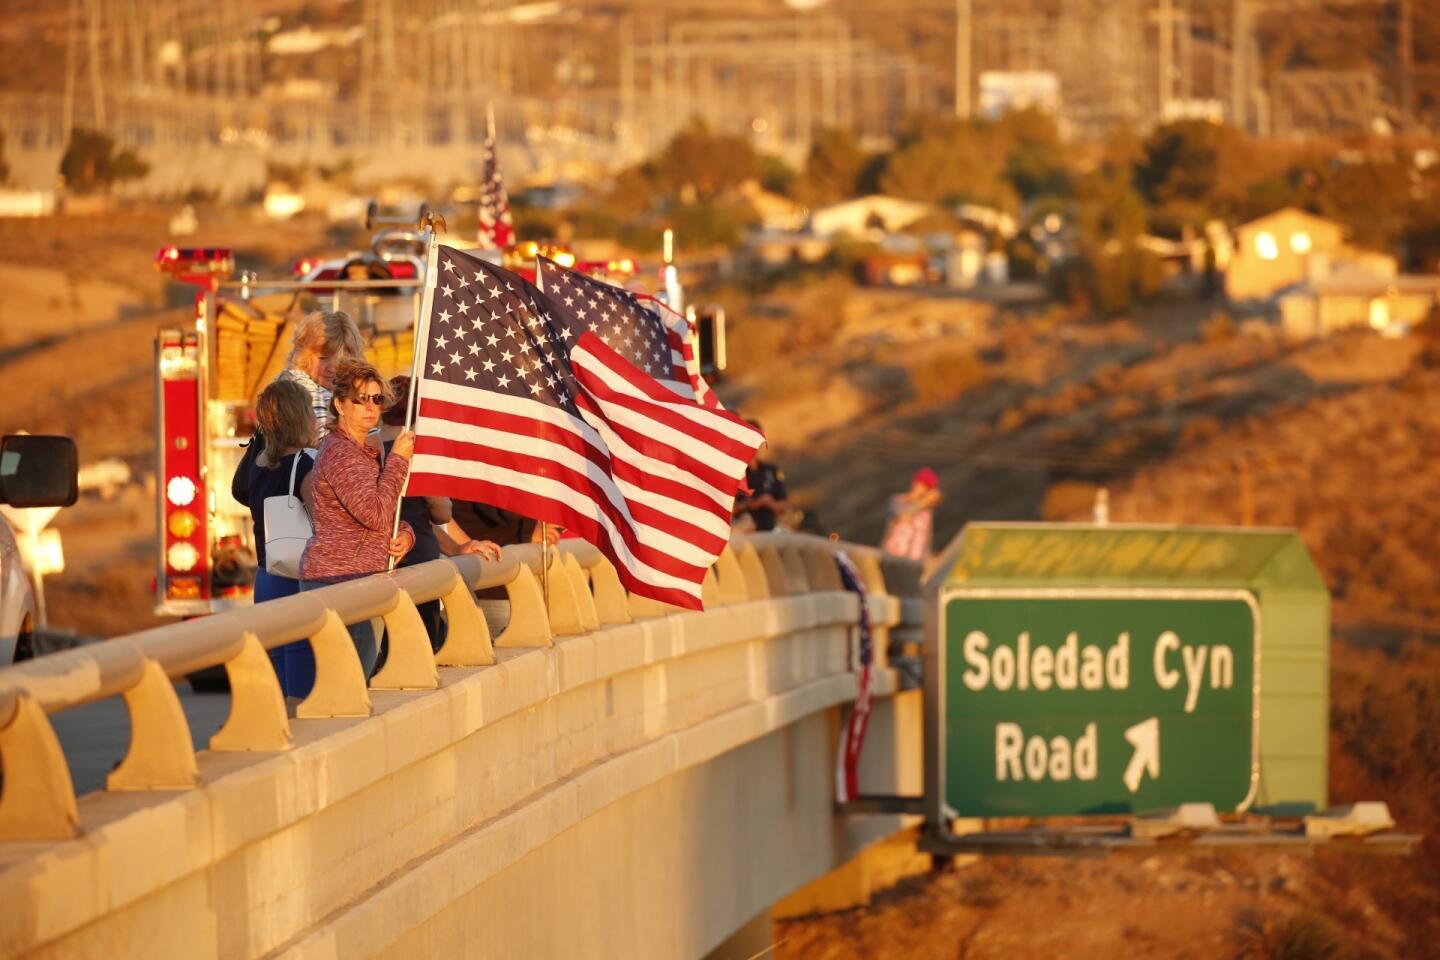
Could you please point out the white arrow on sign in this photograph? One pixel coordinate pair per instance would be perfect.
(1145, 738)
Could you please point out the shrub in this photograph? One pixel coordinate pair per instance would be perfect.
(1300, 936)
(941, 377)
(92, 163)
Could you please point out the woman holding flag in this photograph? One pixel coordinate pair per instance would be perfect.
(353, 493)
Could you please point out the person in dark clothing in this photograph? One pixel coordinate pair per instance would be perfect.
(483, 522)
(283, 411)
(766, 501)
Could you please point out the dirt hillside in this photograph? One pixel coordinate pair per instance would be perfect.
(1183, 419)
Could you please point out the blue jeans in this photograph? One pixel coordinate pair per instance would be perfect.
(294, 662)
(362, 633)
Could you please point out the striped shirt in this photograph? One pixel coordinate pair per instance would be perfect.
(353, 499)
(319, 398)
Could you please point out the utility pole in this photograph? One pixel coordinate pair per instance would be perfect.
(1167, 69)
(67, 116)
(804, 122)
(962, 59)
(97, 91)
(1406, 40)
(627, 87)
(1239, 55)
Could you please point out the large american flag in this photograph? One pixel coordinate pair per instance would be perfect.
(569, 407)
(496, 228)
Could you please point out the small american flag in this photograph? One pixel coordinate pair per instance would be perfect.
(567, 407)
(852, 735)
(496, 228)
(682, 332)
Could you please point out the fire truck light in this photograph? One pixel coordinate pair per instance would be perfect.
(182, 523)
(180, 491)
(184, 588)
(565, 258)
(182, 556)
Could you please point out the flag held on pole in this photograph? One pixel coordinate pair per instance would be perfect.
(573, 407)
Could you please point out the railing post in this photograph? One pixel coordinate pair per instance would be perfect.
(794, 565)
(821, 569)
(731, 577)
(339, 689)
(757, 582)
(610, 603)
(775, 574)
(161, 754)
(564, 604)
(529, 624)
(37, 801)
(710, 590)
(584, 599)
(409, 661)
(257, 718)
(871, 572)
(467, 641)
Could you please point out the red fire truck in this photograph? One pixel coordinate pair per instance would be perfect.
(208, 374)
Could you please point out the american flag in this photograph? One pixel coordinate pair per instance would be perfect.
(852, 735)
(613, 312)
(566, 407)
(682, 333)
(497, 229)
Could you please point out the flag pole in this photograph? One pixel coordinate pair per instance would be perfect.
(544, 527)
(422, 336)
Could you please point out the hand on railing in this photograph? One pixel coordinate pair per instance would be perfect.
(485, 549)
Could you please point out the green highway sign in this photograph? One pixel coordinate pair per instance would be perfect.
(1097, 700)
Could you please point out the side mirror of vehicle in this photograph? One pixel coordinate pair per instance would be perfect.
(39, 471)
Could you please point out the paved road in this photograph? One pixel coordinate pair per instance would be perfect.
(96, 736)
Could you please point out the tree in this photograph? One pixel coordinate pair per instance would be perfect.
(777, 176)
(1194, 170)
(1375, 198)
(949, 162)
(91, 162)
(700, 165)
(1035, 162)
(1110, 272)
(833, 167)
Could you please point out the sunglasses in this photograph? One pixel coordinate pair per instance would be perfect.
(368, 399)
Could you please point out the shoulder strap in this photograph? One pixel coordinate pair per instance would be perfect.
(294, 466)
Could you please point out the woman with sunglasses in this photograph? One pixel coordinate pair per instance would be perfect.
(353, 493)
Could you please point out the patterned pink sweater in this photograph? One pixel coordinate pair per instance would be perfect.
(352, 505)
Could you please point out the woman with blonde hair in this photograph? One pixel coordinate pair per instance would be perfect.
(322, 340)
(354, 492)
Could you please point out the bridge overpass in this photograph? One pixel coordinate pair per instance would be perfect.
(593, 775)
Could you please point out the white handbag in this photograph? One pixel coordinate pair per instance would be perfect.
(287, 530)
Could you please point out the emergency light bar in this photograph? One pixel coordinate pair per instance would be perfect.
(183, 262)
(624, 266)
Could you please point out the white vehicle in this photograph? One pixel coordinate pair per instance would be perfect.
(35, 471)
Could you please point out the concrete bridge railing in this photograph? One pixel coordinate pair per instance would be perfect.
(601, 744)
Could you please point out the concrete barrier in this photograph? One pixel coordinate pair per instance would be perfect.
(602, 779)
